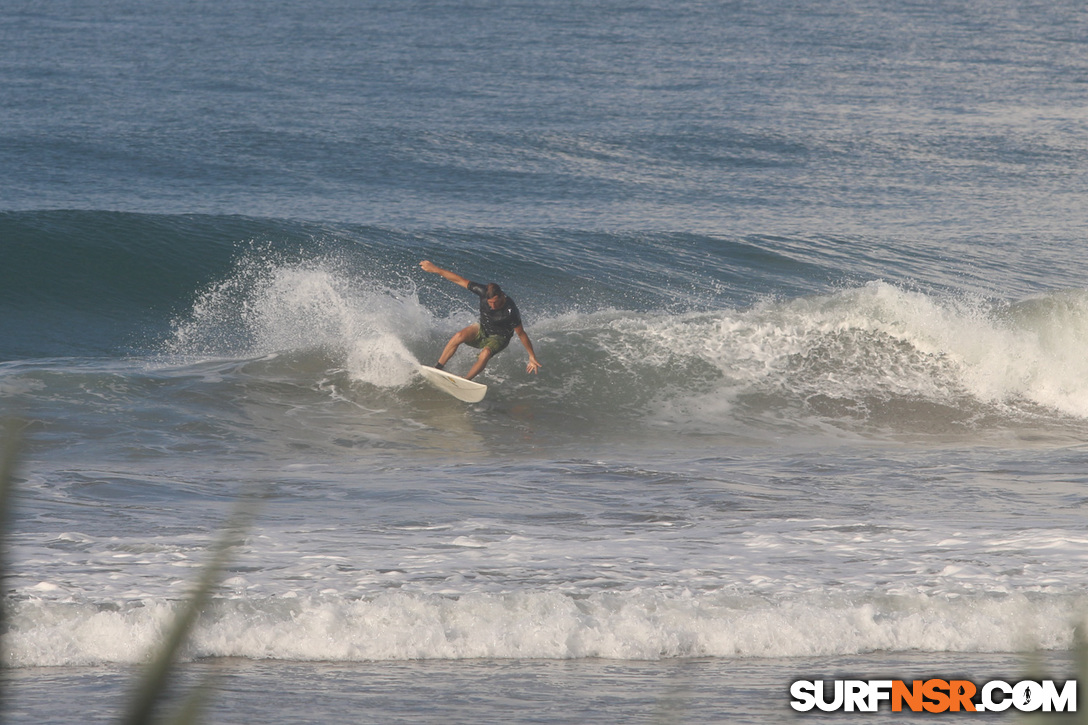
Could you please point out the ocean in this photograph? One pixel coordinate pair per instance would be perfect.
(807, 282)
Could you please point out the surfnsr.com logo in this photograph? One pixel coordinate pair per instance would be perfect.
(934, 695)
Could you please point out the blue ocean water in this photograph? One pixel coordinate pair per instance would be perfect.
(806, 283)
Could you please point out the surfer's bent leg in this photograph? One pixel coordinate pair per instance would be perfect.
(469, 333)
(481, 362)
(490, 345)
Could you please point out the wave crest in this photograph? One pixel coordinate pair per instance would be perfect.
(875, 356)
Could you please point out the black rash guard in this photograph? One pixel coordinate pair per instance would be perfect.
(500, 322)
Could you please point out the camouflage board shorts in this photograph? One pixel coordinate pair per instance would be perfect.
(494, 343)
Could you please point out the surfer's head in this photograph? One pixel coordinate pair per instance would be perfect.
(494, 295)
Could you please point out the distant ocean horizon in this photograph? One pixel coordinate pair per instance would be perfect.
(806, 285)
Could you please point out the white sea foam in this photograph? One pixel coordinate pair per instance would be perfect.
(874, 353)
(623, 625)
(272, 306)
(612, 582)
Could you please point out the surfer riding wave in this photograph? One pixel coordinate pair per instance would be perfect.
(500, 320)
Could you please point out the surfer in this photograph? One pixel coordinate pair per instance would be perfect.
(499, 321)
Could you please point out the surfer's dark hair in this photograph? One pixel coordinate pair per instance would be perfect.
(493, 290)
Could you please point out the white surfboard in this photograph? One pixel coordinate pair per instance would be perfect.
(455, 385)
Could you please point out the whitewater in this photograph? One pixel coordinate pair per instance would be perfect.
(704, 483)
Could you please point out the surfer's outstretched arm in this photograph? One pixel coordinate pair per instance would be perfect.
(534, 364)
(428, 266)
